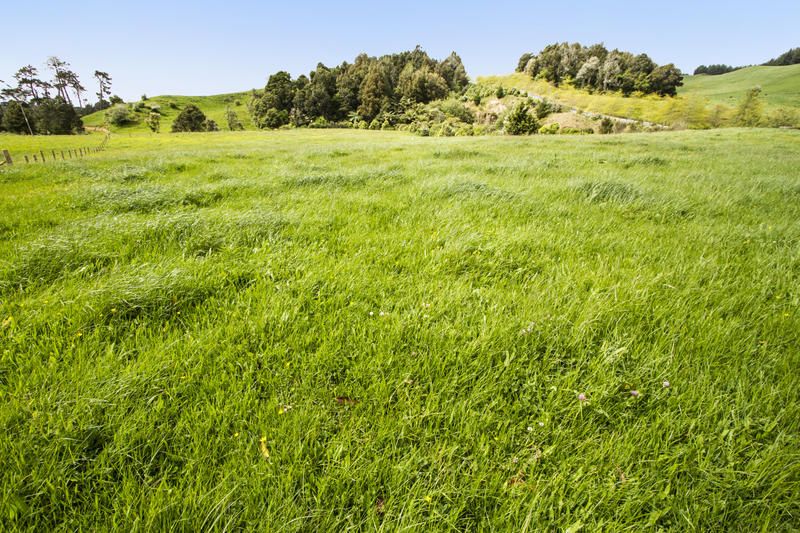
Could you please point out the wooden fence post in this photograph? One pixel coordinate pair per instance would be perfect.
(26, 159)
(35, 159)
(42, 154)
(7, 157)
(54, 154)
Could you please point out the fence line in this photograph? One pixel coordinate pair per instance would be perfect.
(53, 155)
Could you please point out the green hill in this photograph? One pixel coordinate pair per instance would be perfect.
(780, 85)
(213, 106)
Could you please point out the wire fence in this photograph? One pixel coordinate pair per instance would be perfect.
(48, 156)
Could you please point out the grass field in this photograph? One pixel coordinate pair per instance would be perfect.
(325, 330)
(780, 86)
(19, 145)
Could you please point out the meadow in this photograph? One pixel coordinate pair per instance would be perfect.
(780, 86)
(328, 330)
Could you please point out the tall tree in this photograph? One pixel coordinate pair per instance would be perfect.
(104, 84)
(75, 84)
(61, 79)
(28, 81)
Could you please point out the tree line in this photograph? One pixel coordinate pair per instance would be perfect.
(30, 104)
(595, 68)
(370, 90)
(792, 57)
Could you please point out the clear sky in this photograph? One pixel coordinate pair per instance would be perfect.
(204, 47)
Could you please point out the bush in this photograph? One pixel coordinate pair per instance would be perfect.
(173, 105)
(210, 125)
(784, 118)
(274, 119)
(606, 126)
(550, 129)
(154, 122)
(455, 109)
(322, 122)
(520, 121)
(119, 115)
(544, 108)
(749, 113)
(190, 119)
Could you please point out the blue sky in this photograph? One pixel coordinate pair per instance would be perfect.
(205, 47)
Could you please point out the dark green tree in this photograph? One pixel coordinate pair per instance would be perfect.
(56, 117)
(14, 120)
(190, 119)
(453, 72)
(376, 91)
(665, 80)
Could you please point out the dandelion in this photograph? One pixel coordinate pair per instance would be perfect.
(371, 313)
(530, 428)
(635, 393)
(429, 498)
(236, 435)
(665, 384)
(262, 445)
(581, 397)
(541, 424)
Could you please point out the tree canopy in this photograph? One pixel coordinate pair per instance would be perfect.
(36, 105)
(792, 57)
(368, 89)
(597, 69)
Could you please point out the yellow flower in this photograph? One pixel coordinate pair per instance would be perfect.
(236, 435)
(262, 445)
(429, 498)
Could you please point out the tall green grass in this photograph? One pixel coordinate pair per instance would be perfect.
(330, 330)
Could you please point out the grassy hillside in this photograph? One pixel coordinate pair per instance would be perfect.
(689, 111)
(694, 106)
(780, 85)
(213, 106)
(325, 330)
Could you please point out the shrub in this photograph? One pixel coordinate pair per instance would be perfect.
(545, 107)
(234, 124)
(454, 108)
(550, 129)
(274, 119)
(119, 115)
(606, 126)
(190, 119)
(322, 122)
(520, 121)
(173, 105)
(210, 125)
(749, 113)
(154, 122)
